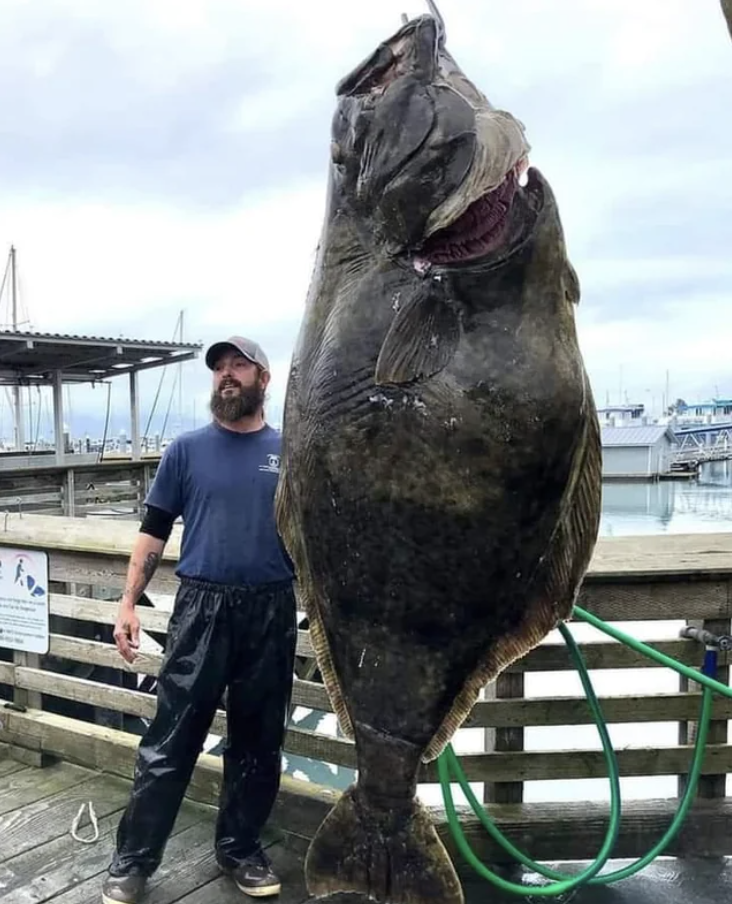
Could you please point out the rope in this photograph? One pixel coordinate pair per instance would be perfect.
(94, 823)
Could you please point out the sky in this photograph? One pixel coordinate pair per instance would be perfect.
(159, 157)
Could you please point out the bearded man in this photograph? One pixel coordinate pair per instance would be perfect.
(233, 629)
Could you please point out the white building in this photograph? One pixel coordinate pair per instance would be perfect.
(636, 451)
(621, 415)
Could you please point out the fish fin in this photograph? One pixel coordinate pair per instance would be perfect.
(557, 580)
(293, 542)
(572, 290)
(422, 338)
(383, 855)
(321, 648)
(570, 550)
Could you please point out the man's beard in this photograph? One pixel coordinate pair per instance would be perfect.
(230, 409)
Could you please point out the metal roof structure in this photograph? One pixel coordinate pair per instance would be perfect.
(699, 429)
(706, 403)
(636, 436)
(55, 359)
(36, 358)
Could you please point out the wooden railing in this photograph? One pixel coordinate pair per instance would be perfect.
(652, 580)
(116, 487)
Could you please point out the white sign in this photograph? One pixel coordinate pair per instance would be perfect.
(24, 600)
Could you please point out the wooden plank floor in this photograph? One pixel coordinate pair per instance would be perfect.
(40, 861)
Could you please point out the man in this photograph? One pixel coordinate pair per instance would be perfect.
(233, 627)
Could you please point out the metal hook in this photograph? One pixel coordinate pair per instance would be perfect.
(435, 13)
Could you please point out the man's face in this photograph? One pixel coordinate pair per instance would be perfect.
(238, 387)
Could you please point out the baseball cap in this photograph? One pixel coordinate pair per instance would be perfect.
(247, 347)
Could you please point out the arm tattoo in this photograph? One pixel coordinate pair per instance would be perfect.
(136, 581)
(150, 565)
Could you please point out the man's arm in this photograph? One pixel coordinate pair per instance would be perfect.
(145, 558)
(144, 561)
(163, 504)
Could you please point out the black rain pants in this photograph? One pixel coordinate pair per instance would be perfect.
(240, 638)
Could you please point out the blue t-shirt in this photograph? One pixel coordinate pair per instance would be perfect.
(222, 484)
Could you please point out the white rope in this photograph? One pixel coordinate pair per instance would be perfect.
(77, 820)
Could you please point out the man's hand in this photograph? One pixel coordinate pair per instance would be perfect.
(127, 632)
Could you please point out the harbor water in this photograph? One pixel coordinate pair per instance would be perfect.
(701, 505)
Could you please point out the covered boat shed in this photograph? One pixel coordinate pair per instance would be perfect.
(636, 452)
(52, 359)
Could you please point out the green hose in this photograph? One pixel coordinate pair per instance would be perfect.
(660, 658)
(561, 883)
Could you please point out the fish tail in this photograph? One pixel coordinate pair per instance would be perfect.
(386, 855)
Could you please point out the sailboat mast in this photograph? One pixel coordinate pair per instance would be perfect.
(19, 438)
(180, 380)
(13, 288)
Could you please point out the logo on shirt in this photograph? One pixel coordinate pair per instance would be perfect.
(273, 464)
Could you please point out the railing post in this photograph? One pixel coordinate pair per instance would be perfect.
(140, 484)
(22, 697)
(69, 502)
(146, 482)
(506, 686)
(710, 786)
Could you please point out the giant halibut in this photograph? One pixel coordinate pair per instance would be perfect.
(440, 484)
(727, 12)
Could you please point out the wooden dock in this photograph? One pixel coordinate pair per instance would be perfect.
(649, 580)
(41, 863)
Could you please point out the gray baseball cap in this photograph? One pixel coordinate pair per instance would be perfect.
(247, 347)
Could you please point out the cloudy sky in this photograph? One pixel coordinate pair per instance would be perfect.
(159, 156)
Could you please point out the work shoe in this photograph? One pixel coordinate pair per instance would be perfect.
(254, 876)
(124, 889)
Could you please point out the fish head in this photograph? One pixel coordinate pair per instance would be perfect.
(423, 161)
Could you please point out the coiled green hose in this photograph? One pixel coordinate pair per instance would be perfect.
(561, 883)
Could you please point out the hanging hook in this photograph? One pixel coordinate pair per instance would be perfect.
(435, 13)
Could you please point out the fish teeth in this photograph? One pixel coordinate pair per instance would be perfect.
(501, 146)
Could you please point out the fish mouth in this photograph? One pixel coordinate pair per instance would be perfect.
(477, 232)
